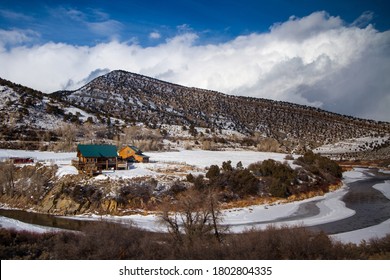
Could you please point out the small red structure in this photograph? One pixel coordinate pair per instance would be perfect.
(20, 160)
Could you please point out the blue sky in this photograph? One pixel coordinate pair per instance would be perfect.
(149, 22)
(330, 54)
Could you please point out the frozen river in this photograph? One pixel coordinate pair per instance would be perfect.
(359, 210)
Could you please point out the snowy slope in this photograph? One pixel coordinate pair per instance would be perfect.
(352, 145)
(129, 96)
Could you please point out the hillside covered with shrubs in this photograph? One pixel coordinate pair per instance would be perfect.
(38, 187)
(107, 107)
(270, 178)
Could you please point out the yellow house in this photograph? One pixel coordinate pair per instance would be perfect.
(132, 152)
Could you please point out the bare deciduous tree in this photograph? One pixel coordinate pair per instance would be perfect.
(7, 178)
(67, 133)
(194, 217)
(145, 138)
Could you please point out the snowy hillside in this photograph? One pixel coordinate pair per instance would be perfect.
(31, 115)
(136, 98)
(105, 107)
(21, 107)
(352, 145)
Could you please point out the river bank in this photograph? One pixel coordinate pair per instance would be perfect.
(357, 211)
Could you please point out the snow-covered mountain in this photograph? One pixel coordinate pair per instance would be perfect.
(136, 98)
(31, 116)
(24, 112)
(121, 98)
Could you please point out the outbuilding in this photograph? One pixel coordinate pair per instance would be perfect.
(133, 153)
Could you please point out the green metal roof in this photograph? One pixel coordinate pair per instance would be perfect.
(107, 151)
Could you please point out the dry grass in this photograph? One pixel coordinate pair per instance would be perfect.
(103, 241)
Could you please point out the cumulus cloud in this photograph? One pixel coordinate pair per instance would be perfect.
(302, 28)
(316, 60)
(154, 35)
(15, 37)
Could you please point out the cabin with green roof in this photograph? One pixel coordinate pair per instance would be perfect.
(93, 159)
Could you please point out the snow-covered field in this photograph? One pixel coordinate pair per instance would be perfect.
(159, 160)
(203, 158)
(331, 208)
(38, 155)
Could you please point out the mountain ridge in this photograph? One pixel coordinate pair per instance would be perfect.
(167, 103)
(129, 98)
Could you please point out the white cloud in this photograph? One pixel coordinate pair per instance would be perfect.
(316, 60)
(109, 28)
(364, 19)
(303, 28)
(154, 35)
(16, 37)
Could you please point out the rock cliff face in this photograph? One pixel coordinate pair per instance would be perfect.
(65, 205)
(77, 194)
(38, 187)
